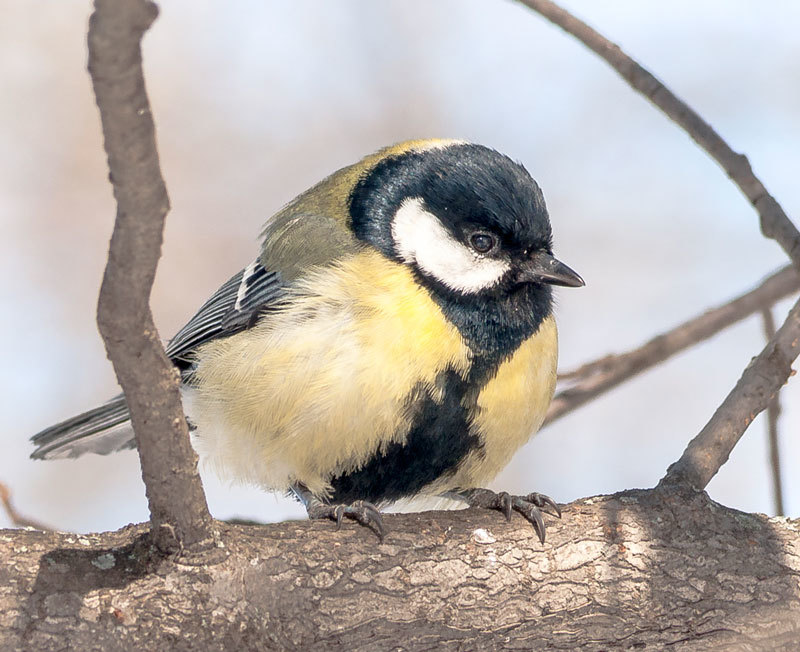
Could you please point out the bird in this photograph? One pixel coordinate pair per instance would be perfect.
(393, 338)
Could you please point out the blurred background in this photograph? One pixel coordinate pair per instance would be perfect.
(256, 101)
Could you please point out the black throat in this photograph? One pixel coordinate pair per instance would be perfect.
(494, 324)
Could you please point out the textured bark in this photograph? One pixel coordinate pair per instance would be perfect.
(641, 569)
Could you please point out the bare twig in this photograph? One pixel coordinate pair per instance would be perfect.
(599, 376)
(759, 383)
(775, 223)
(169, 465)
(773, 413)
(762, 378)
(13, 515)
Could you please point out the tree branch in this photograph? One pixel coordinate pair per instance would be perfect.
(773, 414)
(13, 515)
(775, 223)
(711, 447)
(650, 570)
(178, 508)
(758, 385)
(602, 375)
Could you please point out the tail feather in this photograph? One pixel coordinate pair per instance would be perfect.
(103, 430)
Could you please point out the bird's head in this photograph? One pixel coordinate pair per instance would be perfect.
(468, 220)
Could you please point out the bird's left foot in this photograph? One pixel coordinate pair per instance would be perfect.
(530, 506)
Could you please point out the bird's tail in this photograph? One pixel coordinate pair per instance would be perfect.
(103, 430)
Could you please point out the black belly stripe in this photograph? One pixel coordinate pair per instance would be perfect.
(439, 439)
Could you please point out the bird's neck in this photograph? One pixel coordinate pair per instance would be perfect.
(494, 325)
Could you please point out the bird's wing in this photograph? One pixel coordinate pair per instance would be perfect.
(230, 309)
(297, 243)
(298, 238)
(105, 429)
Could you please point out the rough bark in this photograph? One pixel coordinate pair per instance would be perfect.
(656, 569)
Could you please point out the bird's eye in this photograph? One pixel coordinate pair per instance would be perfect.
(482, 242)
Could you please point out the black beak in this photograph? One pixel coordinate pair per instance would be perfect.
(541, 267)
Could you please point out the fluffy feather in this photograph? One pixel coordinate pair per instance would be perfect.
(317, 388)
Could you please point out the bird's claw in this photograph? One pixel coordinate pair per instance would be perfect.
(543, 502)
(361, 511)
(530, 506)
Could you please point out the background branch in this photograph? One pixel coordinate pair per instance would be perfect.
(775, 223)
(773, 413)
(758, 385)
(597, 377)
(13, 515)
(710, 449)
(177, 503)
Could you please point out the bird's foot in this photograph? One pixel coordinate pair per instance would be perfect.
(530, 506)
(360, 511)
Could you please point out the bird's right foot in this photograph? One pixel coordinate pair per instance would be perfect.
(360, 511)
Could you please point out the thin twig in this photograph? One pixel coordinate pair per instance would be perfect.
(775, 223)
(758, 385)
(599, 376)
(178, 511)
(708, 451)
(773, 413)
(13, 515)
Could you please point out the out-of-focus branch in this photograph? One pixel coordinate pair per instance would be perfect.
(599, 376)
(773, 413)
(708, 451)
(178, 511)
(14, 516)
(758, 385)
(775, 223)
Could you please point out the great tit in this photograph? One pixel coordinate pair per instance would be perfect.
(394, 337)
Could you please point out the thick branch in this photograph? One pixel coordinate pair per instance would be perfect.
(599, 376)
(639, 570)
(169, 466)
(775, 223)
(759, 384)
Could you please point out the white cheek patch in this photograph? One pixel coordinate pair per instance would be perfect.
(420, 238)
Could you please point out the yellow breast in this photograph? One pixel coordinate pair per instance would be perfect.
(317, 387)
(512, 406)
